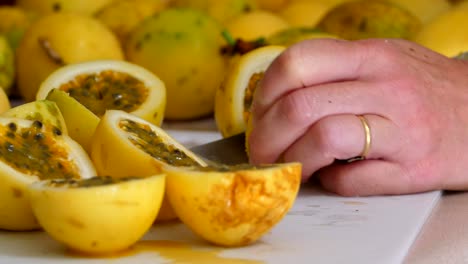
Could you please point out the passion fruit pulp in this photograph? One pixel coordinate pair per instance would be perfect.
(30, 152)
(44, 111)
(118, 211)
(120, 135)
(110, 84)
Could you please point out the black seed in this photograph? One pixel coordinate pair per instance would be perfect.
(12, 126)
(38, 136)
(37, 124)
(57, 131)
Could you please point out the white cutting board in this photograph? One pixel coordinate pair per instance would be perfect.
(320, 228)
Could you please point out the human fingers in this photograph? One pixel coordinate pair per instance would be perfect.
(306, 64)
(343, 137)
(292, 115)
(372, 177)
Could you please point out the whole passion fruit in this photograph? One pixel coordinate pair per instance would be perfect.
(99, 215)
(234, 96)
(44, 7)
(7, 65)
(31, 152)
(120, 135)
(122, 16)
(233, 205)
(56, 40)
(13, 24)
(182, 47)
(4, 101)
(363, 19)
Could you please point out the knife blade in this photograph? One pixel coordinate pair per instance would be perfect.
(229, 150)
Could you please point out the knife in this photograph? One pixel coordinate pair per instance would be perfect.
(229, 150)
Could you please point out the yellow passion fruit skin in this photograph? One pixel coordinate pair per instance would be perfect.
(234, 97)
(99, 215)
(233, 206)
(30, 152)
(44, 111)
(118, 85)
(120, 135)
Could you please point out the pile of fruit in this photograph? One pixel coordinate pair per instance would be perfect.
(84, 158)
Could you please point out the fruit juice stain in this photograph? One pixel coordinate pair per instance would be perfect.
(173, 252)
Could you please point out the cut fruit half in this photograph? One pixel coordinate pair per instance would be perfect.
(234, 96)
(98, 215)
(79, 120)
(233, 206)
(110, 84)
(45, 111)
(30, 152)
(124, 144)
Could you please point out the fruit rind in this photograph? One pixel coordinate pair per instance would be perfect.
(116, 215)
(157, 91)
(229, 98)
(111, 148)
(15, 209)
(233, 208)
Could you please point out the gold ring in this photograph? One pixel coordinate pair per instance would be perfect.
(367, 142)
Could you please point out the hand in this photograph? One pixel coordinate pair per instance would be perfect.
(415, 101)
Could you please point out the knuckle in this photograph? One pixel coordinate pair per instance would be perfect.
(295, 109)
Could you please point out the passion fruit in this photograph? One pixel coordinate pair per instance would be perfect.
(233, 205)
(363, 19)
(99, 215)
(436, 36)
(234, 97)
(45, 111)
(4, 101)
(110, 84)
(225, 10)
(120, 135)
(304, 13)
(256, 24)
(7, 66)
(51, 42)
(182, 47)
(30, 152)
(44, 7)
(424, 10)
(122, 16)
(80, 121)
(13, 24)
(293, 35)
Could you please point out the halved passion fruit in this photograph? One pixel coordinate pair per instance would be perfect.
(30, 152)
(124, 144)
(110, 84)
(233, 206)
(45, 111)
(97, 215)
(79, 120)
(234, 97)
